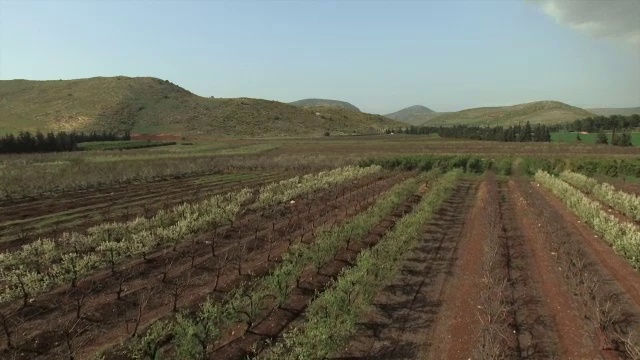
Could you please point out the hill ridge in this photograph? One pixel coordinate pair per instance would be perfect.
(544, 112)
(324, 103)
(151, 106)
(414, 115)
(616, 111)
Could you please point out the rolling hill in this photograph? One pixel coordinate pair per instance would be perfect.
(342, 121)
(616, 111)
(153, 106)
(414, 115)
(544, 112)
(324, 103)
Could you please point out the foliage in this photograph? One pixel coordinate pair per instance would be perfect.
(194, 333)
(589, 138)
(288, 189)
(629, 167)
(624, 237)
(75, 255)
(25, 142)
(628, 204)
(623, 139)
(122, 145)
(598, 123)
(514, 133)
(333, 316)
(148, 347)
(602, 138)
(472, 164)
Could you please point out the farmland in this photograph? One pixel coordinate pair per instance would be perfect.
(353, 247)
(572, 137)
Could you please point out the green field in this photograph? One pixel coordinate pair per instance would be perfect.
(571, 137)
(122, 145)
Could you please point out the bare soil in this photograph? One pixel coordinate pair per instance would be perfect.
(404, 311)
(579, 337)
(25, 222)
(433, 309)
(278, 319)
(189, 268)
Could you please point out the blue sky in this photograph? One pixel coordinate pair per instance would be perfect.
(379, 55)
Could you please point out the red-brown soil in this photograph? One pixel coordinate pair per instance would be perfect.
(277, 320)
(532, 323)
(109, 317)
(457, 325)
(617, 267)
(404, 311)
(433, 309)
(547, 226)
(22, 222)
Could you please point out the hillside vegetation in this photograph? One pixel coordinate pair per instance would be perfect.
(154, 106)
(414, 115)
(325, 103)
(342, 121)
(616, 111)
(538, 112)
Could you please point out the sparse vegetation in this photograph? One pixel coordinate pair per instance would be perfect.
(539, 112)
(194, 266)
(122, 145)
(153, 106)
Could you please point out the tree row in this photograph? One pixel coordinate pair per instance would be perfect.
(26, 142)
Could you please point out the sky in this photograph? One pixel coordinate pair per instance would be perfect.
(379, 55)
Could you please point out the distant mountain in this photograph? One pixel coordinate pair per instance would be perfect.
(324, 103)
(543, 112)
(616, 111)
(413, 115)
(343, 121)
(154, 106)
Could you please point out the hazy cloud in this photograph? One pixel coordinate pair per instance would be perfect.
(618, 19)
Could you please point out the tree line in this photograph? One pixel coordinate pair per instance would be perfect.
(514, 133)
(597, 123)
(26, 142)
(619, 126)
(619, 139)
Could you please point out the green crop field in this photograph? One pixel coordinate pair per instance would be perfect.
(122, 145)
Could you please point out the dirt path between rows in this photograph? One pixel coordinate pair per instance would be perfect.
(49, 218)
(532, 324)
(457, 327)
(404, 310)
(101, 303)
(279, 319)
(618, 268)
(575, 340)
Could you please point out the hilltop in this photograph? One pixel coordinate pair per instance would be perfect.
(414, 115)
(325, 103)
(342, 121)
(153, 106)
(543, 112)
(616, 111)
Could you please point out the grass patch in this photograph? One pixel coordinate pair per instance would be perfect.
(122, 145)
